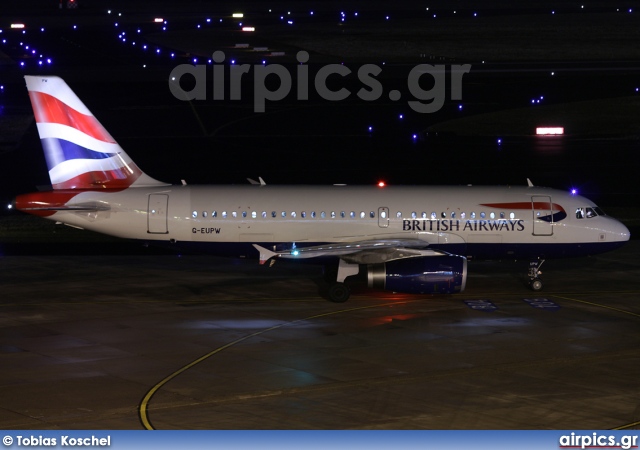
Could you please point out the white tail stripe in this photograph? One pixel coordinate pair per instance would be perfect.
(58, 131)
(57, 88)
(75, 167)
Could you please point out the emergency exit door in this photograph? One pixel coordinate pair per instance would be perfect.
(542, 209)
(157, 214)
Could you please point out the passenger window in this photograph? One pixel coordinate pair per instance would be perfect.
(443, 215)
(342, 214)
(512, 215)
(463, 215)
(274, 214)
(433, 215)
(473, 215)
(303, 214)
(333, 214)
(313, 214)
(322, 214)
(383, 214)
(234, 214)
(283, 214)
(502, 215)
(453, 214)
(264, 214)
(194, 214)
(398, 214)
(492, 215)
(254, 214)
(414, 214)
(293, 214)
(424, 215)
(224, 214)
(244, 214)
(483, 215)
(214, 214)
(204, 214)
(372, 214)
(353, 214)
(362, 214)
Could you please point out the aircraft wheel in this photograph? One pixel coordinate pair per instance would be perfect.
(339, 292)
(536, 284)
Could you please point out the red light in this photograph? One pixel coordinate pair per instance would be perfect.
(381, 184)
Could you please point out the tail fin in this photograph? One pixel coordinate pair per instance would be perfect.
(80, 153)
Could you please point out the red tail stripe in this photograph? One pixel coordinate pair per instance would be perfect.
(49, 109)
(112, 179)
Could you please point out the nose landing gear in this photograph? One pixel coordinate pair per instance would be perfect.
(535, 283)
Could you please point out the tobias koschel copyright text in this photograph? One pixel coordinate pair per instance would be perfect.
(62, 441)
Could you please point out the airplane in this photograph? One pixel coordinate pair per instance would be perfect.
(408, 239)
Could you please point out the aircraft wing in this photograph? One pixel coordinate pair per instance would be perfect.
(362, 252)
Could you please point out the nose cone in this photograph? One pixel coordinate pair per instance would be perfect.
(617, 231)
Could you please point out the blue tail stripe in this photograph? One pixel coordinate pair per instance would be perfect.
(58, 150)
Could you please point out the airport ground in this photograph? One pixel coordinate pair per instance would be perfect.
(101, 334)
(195, 342)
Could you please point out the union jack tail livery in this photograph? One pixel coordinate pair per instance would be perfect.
(80, 153)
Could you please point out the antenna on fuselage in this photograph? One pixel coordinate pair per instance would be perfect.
(529, 183)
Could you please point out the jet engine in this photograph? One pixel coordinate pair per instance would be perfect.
(442, 274)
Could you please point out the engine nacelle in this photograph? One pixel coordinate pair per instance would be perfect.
(446, 274)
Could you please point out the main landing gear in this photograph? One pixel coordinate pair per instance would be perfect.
(338, 292)
(535, 283)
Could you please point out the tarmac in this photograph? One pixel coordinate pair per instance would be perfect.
(196, 342)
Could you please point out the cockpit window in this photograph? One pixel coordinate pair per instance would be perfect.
(588, 212)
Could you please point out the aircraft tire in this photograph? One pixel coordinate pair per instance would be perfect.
(536, 284)
(339, 292)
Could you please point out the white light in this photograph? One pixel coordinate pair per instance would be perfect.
(17, 25)
(248, 29)
(158, 20)
(237, 15)
(549, 130)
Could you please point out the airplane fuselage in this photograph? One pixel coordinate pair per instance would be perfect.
(473, 221)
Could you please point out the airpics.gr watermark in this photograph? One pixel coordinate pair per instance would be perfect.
(423, 100)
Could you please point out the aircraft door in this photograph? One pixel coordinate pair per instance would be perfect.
(542, 215)
(383, 217)
(157, 214)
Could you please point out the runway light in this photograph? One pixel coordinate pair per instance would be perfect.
(546, 131)
(17, 25)
(381, 184)
(237, 15)
(158, 20)
(248, 29)
(401, 116)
